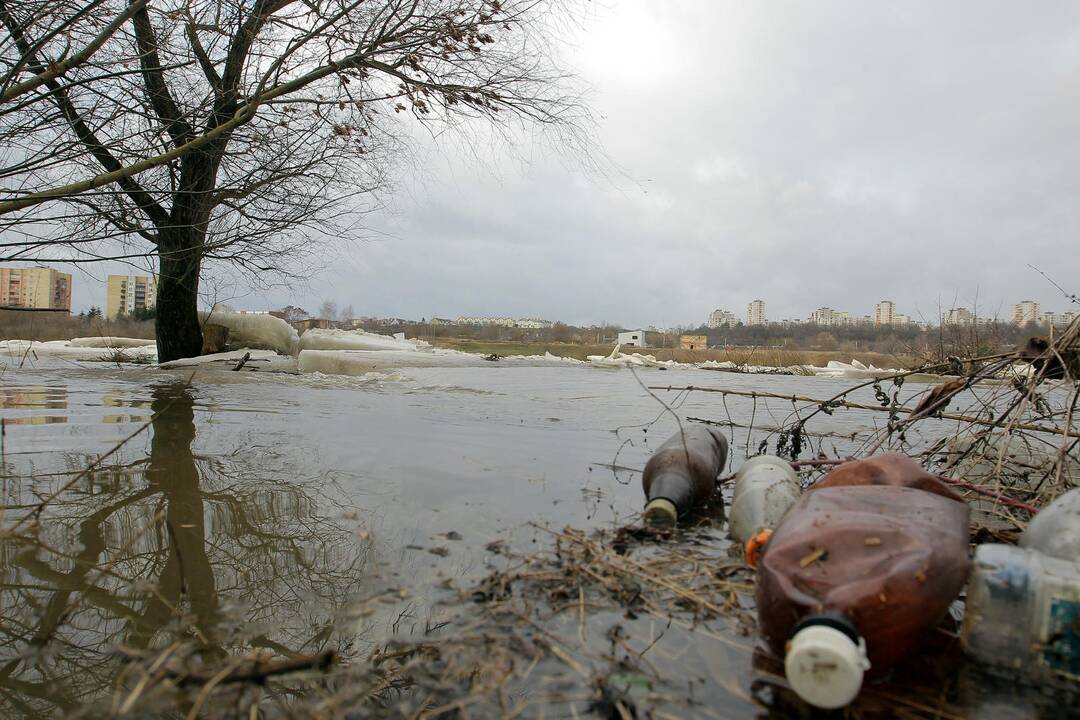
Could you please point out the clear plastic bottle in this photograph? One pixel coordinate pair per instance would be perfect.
(1055, 531)
(1023, 603)
(682, 473)
(766, 487)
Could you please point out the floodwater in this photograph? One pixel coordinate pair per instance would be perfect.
(255, 510)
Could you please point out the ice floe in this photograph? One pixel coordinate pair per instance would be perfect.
(618, 359)
(20, 351)
(257, 359)
(109, 342)
(854, 370)
(359, 362)
(257, 331)
(319, 339)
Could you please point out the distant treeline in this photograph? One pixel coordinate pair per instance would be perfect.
(931, 344)
(21, 325)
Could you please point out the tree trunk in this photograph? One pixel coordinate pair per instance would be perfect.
(177, 328)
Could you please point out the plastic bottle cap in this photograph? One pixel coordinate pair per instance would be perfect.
(661, 512)
(755, 545)
(825, 667)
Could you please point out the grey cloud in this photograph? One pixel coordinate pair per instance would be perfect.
(831, 153)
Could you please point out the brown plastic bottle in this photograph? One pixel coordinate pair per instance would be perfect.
(866, 562)
(682, 473)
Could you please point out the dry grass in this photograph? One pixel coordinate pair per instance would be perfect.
(609, 624)
(15, 325)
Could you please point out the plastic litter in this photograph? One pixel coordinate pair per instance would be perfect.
(682, 473)
(1055, 531)
(766, 487)
(1023, 603)
(878, 550)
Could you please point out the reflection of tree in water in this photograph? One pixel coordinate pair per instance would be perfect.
(204, 550)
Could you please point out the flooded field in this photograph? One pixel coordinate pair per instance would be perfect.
(301, 514)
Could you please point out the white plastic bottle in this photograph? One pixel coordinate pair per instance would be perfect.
(766, 487)
(1023, 603)
(1055, 531)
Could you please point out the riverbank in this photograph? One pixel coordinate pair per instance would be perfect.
(771, 357)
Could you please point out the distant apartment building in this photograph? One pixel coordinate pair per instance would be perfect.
(755, 313)
(1065, 319)
(828, 316)
(128, 293)
(1060, 320)
(884, 312)
(534, 324)
(1026, 311)
(959, 316)
(38, 287)
(485, 320)
(721, 318)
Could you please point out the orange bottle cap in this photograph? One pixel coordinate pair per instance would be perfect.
(755, 545)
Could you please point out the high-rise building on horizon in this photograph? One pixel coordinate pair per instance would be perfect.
(128, 293)
(884, 312)
(721, 318)
(1026, 311)
(755, 313)
(35, 287)
(828, 316)
(959, 316)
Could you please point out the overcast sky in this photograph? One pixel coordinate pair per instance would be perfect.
(805, 153)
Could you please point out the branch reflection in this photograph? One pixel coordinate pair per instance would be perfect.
(216, 552)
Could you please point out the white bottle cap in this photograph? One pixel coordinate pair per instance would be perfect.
(825, 667)
(661, 512)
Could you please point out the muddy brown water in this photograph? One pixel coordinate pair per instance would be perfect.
(266, 511)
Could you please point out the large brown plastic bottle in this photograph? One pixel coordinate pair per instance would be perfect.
(866, 562)
(682, 473)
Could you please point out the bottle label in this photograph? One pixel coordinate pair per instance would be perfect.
(1061, 651)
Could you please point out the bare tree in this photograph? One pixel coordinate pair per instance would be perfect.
(189, 131)
(328, 310)
(347, 313)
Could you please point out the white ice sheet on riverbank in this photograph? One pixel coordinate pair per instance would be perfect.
(15, 352)
(257, 360)
(109, 342)
(618, 359)
(545, 359)
(854, 370)
(360, 362)
(257, 331)
(318, 339)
